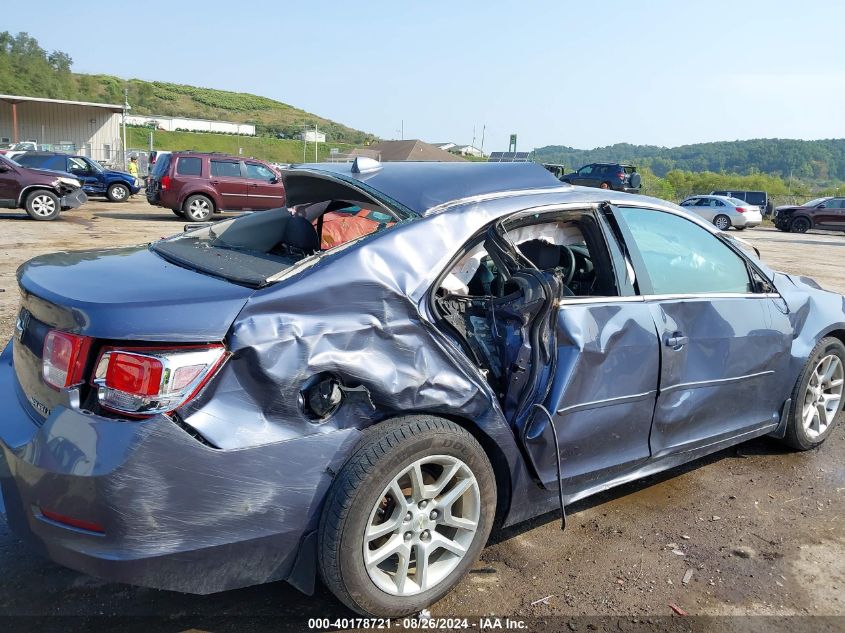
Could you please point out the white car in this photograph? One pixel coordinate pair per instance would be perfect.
(724, 212)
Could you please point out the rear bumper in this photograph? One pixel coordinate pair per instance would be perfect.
(175, 514)
(747, 220)
(74, 200)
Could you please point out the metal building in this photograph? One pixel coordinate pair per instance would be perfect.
(91, 129)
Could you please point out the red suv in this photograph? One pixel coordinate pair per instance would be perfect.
(196, 185)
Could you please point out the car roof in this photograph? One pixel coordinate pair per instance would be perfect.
(423, 186)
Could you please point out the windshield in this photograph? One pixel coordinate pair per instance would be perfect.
(815, 202)
(94, 165)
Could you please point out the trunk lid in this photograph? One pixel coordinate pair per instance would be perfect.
(128, 294)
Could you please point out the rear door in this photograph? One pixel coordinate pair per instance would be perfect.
(832, 216)
(724, 345)
(227, 178)
(264, 188)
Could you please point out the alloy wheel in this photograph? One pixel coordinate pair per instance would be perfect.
(43, 206)
(200, 208)
(722, 223)
(823, 395)
(119, 193)
(422, 525)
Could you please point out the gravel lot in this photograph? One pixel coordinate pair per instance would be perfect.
(760, 528)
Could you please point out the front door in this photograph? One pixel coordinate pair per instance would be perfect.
(723, 344)
(227, 179)
(9, 187)
(81, 170)
(264, 188)
(602, 391)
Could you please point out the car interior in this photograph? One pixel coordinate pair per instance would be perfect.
(495, 305)
(321, 215)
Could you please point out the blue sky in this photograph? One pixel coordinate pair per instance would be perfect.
(583, 74)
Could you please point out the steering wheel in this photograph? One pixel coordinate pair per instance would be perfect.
(570, 268)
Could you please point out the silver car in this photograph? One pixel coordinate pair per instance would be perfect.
(724, 212)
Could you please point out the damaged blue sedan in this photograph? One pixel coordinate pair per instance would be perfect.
(358, 386)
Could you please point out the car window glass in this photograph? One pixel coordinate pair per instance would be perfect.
(189, 166)
(585, 171)
(681, 257)
(704, 202)
(837, 203)
(689, 203)
(259, 172)
(718, 203)
(77, 166)
(226, 168)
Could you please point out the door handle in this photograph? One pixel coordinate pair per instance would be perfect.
(215, 182)
(676, 340)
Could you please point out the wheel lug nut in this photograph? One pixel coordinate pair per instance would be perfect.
(425, 535)
(423, 504)
(408, 516)
(433, 515)
(409, 536)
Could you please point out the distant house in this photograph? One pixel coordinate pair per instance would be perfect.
(393, 151)
(466, 150)
(444, 146)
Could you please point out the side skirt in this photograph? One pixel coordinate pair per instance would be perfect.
(651, 467)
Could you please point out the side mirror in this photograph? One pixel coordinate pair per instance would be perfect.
(274, 180)
(822, 206)
(3, 168)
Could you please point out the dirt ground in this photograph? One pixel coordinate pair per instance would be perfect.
(754, 530)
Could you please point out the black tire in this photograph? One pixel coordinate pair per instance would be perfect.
(178, 212)
(198, 208)
(381, 455)
(740, 228)
(42, 205)
(722, 222)
(800, 225)
(118, 192)
(797, 436)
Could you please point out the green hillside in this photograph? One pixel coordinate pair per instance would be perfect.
(263, 147)
(819, 161)
(27, 69)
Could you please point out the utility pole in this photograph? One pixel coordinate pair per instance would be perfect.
(126, 108)
(402, 130)
(483, 130)
(316, 144)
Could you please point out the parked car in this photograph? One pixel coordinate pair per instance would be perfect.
(42, 193)
(826, 213)
(614, 176)
(195, 185)
(724, 212)
(245, 406)
(10, 150)
(759, 199)
(115, 185)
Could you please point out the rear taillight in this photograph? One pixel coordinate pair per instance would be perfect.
(144, 382)
(740, 209)
(165, 182)
(63, 358)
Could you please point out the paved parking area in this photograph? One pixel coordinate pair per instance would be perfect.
(761, 528)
